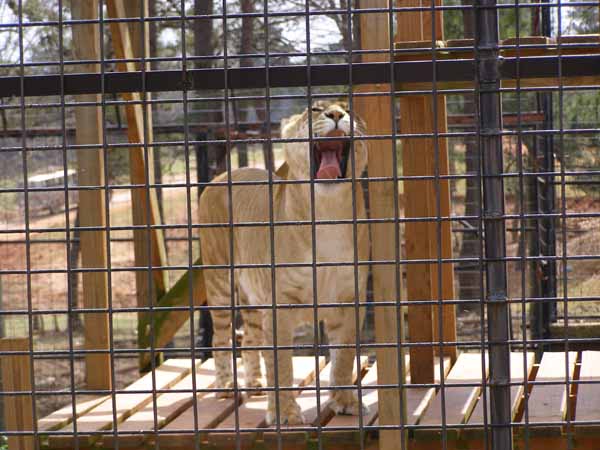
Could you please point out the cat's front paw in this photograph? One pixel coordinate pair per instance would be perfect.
(346, 402)
(256, 385)
(290, 414)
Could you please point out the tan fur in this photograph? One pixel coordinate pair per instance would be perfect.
(293, 244)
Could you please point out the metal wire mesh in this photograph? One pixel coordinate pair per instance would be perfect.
(467, 242)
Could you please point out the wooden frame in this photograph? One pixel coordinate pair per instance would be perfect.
(16, 377)
(420, 157)
(92, 204)
(126, 39)
(382, 199)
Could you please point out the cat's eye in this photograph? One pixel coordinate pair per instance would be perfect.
(317, 109)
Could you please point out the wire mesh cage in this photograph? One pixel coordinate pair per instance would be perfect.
(299, 224)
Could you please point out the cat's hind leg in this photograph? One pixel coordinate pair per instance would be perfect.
(222, 339)
(218, 294)
(253, 337)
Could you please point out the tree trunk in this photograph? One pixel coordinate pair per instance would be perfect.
(74, 264)
(3, 114)
(153, 33)
(246, 46)
(468, 275)
(203, 46)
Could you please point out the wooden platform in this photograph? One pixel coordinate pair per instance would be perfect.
(220, 423)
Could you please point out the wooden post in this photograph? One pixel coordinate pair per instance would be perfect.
(167, 322)
(377, 113)
(16, 377)
(132, 9)
(144, 202)
(92, 206)
(419, 158)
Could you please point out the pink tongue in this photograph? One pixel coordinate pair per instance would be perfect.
(329, 168)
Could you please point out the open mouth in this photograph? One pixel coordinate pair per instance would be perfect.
(330, 158)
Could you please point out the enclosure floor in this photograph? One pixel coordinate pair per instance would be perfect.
(542, 418)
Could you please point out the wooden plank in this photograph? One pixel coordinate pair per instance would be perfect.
(417, 401)
(212, 411)
(194, 422)
(517, 370)
(459, 400)
(548, 403)
(16, 377)
(410, 28)
(64, 415)
(528, 46)
(419, 158)
(92, 207)
(168, 406)
(251, 412)
(551, 82)
(588, 395)
(253, 409)
(583, 330)
(382, 199)
(209, 411)
(101, 417)
(144, 202)
(307, 400)
(441, 188)
(419, 398)
(400, 45)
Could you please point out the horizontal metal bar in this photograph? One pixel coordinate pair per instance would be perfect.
(294, 76)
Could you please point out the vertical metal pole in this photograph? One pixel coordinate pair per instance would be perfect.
(490, 121)
(545, 312)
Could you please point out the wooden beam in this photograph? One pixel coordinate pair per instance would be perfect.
(419, 158)
(127, 402)
(16, 377)
(377, 111)
(570, 45)
(144, 201)
(165, 322)
(523, 46)
(92, 206)
(419, 277)
(549, 82)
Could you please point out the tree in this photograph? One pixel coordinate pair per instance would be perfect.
(468, 276)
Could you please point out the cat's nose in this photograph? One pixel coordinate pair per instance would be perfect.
(334, 115)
